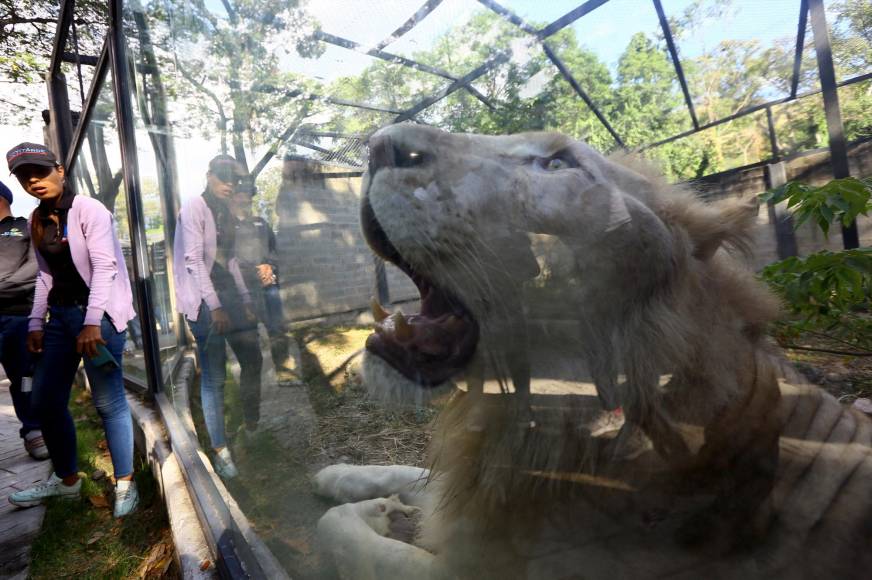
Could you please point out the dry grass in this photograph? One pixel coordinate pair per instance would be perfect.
(351, 428)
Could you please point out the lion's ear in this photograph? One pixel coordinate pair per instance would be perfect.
(723, 223)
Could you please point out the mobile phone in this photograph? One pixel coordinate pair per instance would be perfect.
(104, 359)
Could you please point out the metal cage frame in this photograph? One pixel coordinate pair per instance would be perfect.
(234, 556)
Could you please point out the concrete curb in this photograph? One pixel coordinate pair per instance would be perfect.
(192, 553)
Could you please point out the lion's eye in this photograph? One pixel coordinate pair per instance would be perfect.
(556, 163)
(404, 158)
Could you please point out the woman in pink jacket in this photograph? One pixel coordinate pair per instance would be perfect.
(212, 295)
(82, 286)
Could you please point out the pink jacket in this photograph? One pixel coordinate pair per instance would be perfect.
(194, 250)
(98, 259)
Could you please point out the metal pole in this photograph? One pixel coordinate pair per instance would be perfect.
(779, 217)
(142, 277)
(58, 99)
(676, 61)
(829, 88)
(800, 45)
(382, 291)
(59, 110)
(773, 137)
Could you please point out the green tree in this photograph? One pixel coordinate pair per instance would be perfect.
(269, 184)
(27, 31)
(229, 74)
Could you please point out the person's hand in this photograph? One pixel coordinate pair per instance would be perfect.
(249, 313)
(266, 275)
(34, 341)
(220, 321)
(88, 339)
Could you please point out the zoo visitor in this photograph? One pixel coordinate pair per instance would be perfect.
(82, 286)
(17, 276)
(212, 295)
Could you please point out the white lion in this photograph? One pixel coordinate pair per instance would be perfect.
(564, 285)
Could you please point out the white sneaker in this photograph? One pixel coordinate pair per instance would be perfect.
(224, 465)
(34, 444)
(126, 498)
(52, 487)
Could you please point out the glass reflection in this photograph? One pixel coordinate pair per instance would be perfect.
(514, 321)
(212, 294)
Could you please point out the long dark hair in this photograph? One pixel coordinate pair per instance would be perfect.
(37, 228)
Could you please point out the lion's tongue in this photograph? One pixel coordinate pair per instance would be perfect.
(429, 347)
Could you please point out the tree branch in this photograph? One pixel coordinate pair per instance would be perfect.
(222, 125)
(287, 134)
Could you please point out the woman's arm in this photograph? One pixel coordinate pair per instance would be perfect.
(99, 234)
(36, 320)
(193, 226)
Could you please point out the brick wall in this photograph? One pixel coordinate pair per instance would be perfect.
(811, 167)
(326, 266)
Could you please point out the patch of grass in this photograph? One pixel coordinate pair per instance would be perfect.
(81, 539)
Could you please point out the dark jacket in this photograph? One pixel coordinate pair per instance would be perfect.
(17, 267)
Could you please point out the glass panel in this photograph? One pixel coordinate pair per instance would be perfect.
(721, 42)
(158, 188)
(735, 144)
(369, 26)
(855, 101)
(428, 41)
(97, 173)
(800, 125)
(506, 331)
(851, 37)
(85, 39)
(540, 14)
(646, 102)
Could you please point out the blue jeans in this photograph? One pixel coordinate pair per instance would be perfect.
(54, 379)
(274, 319)
(212, 350)
(17, 362)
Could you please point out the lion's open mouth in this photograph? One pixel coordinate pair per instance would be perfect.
(428, 347)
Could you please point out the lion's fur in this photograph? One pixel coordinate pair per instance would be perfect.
(656, 290)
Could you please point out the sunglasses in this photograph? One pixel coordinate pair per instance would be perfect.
(227, 175)
(25, 172)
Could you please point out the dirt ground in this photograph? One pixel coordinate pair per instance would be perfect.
(275, 491)
(847, 378)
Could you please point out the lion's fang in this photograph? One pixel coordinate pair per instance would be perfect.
(378, 311)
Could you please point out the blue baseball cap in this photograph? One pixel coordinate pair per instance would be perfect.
(5, 192)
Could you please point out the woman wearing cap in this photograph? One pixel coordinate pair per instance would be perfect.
(83, 286)
(211, 294)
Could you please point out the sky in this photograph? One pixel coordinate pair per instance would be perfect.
(606, 31)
